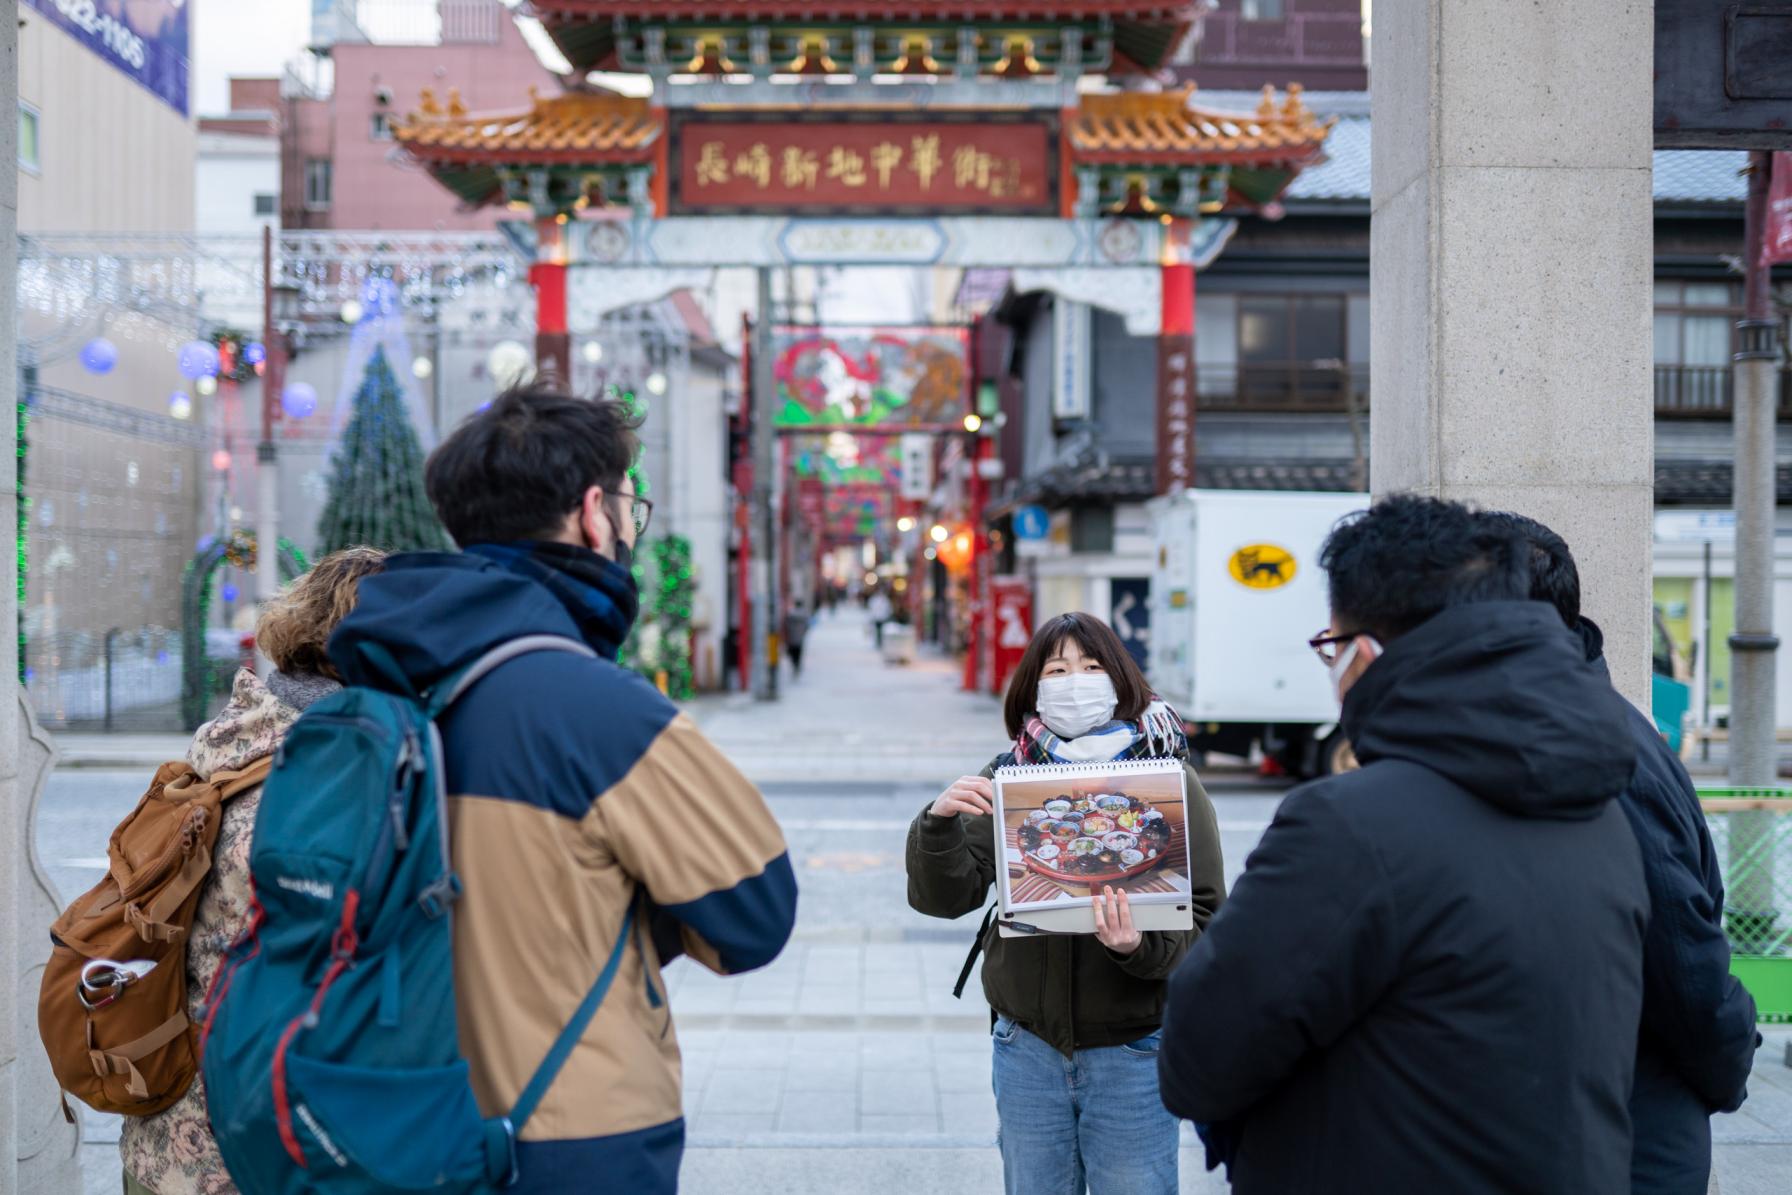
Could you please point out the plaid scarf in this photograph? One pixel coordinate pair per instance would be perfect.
(1156, 734)
(599, 593)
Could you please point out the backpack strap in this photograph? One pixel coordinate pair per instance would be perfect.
(154, 924)
(570, 1036)
(122, 1060)
(970, 960)
(235, 784)
(453, 689)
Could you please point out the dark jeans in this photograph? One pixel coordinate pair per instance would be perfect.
(880, 635)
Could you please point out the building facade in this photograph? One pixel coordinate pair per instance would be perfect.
(113, 486)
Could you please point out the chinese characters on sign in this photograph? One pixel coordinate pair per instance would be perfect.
(1175, 413)
(886, 166)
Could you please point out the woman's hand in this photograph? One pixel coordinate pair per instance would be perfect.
(1113, 922)
(969, 794)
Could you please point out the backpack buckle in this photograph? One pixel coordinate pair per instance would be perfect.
(501, 1168)
(435, 899)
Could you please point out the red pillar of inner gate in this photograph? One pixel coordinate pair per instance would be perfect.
(553, 343)
(1176, 364)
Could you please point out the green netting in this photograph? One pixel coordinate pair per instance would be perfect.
(1754, 848)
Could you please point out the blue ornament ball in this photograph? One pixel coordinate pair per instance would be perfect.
(254, 353)
(299, 400)
(228, 593)
(99, 355)
(198, 360)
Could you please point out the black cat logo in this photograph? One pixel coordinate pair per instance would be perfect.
(1262, 566)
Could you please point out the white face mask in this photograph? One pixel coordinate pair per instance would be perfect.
(1072, 706)
(1341, 665)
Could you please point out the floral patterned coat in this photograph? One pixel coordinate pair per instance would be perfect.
(172, 1152)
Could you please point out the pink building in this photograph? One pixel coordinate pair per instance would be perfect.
(340, 166)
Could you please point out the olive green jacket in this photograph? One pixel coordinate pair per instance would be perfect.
(1069, 990)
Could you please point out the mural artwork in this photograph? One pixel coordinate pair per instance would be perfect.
(900, 378)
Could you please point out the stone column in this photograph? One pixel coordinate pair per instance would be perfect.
(1511, 265)
(11, 849)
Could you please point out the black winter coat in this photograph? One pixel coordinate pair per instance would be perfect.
(1067, 989)
(1698, 1037)
(1429, 976)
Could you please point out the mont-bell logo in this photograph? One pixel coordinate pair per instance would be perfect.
(318, 889)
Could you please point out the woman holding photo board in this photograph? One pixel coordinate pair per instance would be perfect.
(1077, 1016)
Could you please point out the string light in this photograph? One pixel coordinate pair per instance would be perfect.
(672, 612)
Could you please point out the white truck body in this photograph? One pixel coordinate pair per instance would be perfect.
(1236, 593)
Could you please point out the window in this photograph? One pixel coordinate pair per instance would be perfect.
(317, 183)
(379, 127)
(29, 150)
(1695, 323)
(1092, 529)
(265, 204)
(1292, 350)
(1261, 10)
(1695, 331)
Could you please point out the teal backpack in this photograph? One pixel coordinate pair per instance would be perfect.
(330, 1046)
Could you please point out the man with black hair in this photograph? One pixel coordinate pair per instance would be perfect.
(588, 815)
(1429, 976)
(1697, 1040)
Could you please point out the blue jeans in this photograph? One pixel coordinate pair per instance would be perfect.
(1094, 1120)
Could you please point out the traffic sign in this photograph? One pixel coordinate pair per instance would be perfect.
(1032, 522)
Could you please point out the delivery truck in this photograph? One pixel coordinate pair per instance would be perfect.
(1236, 592)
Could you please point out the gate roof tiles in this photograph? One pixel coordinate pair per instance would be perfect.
(1165, 128)
(575, 129)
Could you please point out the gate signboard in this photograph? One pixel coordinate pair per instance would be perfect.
(872, 163)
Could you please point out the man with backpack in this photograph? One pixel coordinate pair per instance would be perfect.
(589, 819)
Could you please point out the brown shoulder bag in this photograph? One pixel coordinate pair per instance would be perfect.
(112, 1011)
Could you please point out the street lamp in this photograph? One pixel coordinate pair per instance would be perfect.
(279, 311)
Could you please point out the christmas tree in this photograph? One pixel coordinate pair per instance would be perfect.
(376, 476)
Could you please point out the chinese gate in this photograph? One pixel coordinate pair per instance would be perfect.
(931, 133)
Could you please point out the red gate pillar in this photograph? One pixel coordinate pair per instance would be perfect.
(1176, 364)
(553, 343)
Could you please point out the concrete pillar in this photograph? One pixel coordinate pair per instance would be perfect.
(1511, 265)
(11, 849)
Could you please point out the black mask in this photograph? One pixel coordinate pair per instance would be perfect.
(622, 552)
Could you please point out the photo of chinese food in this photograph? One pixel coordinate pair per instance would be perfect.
(1068, 838)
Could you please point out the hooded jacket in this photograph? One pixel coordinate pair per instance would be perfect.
(1697, 1040)
(1430, 974)
(574, 786)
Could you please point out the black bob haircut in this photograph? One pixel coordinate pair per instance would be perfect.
(1407, 558)
(1554, 576)
(516, 469)
(1096, 639)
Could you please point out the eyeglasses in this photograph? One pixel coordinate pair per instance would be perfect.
(1327, 646)
(641, 510)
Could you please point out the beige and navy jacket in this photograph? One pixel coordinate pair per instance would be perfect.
(577, 789)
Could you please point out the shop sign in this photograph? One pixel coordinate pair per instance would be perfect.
(1011, 625)
(145, 39)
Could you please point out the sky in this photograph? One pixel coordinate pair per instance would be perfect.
(234, 37)
(259, 37)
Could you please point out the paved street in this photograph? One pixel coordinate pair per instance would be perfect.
(847, 1066)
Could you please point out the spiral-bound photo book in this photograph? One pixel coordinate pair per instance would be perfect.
(1066, 832)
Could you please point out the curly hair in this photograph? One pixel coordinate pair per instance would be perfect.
(294, 630)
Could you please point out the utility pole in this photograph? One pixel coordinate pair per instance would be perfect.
(765, 547)
(267, 467)
(1753, 753)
